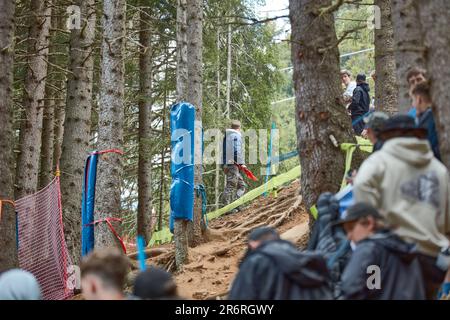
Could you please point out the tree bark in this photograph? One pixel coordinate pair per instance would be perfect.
(219, 112)
(111, 119)
(58, 122)
(145, 129)
(408, 46)
(319, 109)
(77, 124)
(386, 89)
(180, 225)
(195, 90)
(46, 171)
(229, 66)
(434, 18)
(30, 141)
(8, 253)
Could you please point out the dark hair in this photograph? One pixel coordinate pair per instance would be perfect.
(386, 135)
(155, 283)
(414, 72)
(422, 89)
(110, 265)
(263, 234)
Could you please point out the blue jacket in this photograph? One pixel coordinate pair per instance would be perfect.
(426, 121)
(232, 147)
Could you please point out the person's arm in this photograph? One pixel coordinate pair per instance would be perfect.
(238, 157)
(367, 183)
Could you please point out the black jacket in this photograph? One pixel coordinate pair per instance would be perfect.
(276, 270)
(400, 273)
(360, 100)
(330, 240)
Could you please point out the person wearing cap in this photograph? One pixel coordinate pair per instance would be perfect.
(425, 119)
(346, 78)
(380, 254)
(17, 284)
(155, 284)
(233, 154)
(411, 187)
(273, 269)
(360, 103)
(374, 124)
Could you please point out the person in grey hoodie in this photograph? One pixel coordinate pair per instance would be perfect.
(233, 155)
(19, 284)
(411, 189)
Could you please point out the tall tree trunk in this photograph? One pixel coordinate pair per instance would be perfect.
(33, 99)
(8, 252)
(408, 46)
(434, 18)
(319, 112)
(145, 128)
(60, 95)
(163, 151)
(111, 119)
(46, 170)
(229, 66)
(195, 90)
(180, 225)
(58, 122)
(386, 89)
(77, 124)
(219, 112)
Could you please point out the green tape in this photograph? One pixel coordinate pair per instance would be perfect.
(164, 235)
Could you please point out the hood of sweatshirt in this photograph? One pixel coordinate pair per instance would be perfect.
(414, 151)
(308, 269)
(364, 86)
(394, 244)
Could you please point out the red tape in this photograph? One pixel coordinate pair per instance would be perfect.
(109, 151)
(108, 221)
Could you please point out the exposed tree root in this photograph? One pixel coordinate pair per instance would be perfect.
(149, 253)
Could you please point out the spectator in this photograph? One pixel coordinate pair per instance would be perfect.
(155, 283)
(374, 124)
(346, 78)
(411, 188)
(329, 239)
(377, 246)
(360, 103)
(233, 153)
(422, 103)
(103, 274)
(273, 269)
(19, 284)
(415, 76)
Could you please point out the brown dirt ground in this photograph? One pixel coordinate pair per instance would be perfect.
(208, 275)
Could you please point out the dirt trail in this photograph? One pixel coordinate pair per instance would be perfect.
(212, 265)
